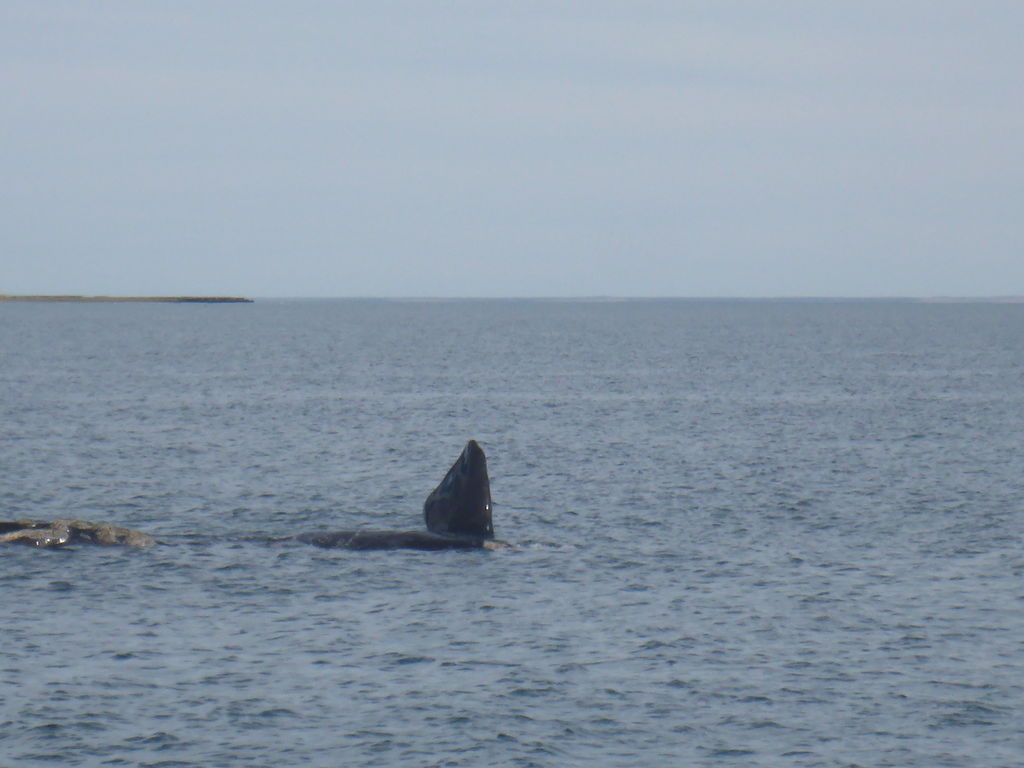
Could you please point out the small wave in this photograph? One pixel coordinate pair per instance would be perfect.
(159, 738)
(277, 712)
(541, 690)
(971, 713)
(729, 752)
(46, 730)
(401, 659)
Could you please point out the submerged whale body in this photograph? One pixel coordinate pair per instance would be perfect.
(393, 540)
(457, 514)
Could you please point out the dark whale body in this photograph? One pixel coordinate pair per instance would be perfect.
(389, 540)
(457, 514)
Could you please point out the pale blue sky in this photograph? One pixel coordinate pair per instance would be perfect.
(477, 148)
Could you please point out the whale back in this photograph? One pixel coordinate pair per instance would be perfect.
(461, 504)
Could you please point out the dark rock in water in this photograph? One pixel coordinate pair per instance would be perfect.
(60, 532)
(461, 504)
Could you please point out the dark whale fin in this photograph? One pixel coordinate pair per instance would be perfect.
(461, 504)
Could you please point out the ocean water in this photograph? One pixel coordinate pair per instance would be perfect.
(746, 533)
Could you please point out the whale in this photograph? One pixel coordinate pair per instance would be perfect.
(52, 535)
(457, 515)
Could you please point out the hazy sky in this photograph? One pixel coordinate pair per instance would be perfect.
(572, 148)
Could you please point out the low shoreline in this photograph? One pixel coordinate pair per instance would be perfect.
(131, 299)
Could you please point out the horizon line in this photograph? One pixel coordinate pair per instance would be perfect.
(990, 298)
(1007, 298)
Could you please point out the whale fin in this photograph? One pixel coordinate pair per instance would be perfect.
(461, 504)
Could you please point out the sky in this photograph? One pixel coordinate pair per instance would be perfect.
(501, 149)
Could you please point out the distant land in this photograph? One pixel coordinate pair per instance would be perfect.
(158, 299)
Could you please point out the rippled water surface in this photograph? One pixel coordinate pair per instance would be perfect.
(752, 534)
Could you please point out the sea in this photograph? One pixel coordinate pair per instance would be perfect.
(744, 533)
